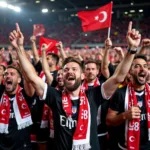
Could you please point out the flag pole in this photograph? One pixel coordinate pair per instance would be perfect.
(109, 32)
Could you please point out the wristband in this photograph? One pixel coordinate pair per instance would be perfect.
(132, 51)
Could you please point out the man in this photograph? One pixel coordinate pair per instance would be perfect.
(129, 109)
(91, 80)
(75, 127)
(15, 115)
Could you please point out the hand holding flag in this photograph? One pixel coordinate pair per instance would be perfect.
(38, 30)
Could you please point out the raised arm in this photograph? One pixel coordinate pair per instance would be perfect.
(133, 40)
(45, 66)
(34, 49)
(16, 38)
(105, 60)
(61, 50)
(144, 46)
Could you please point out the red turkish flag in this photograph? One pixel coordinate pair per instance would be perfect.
(96, 19)
(52, 45)
(38, 29)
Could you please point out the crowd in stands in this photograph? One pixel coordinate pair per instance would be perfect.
(71, 33)
(79, 99)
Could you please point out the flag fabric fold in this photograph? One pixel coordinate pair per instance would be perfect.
(52, 45)
(38, 30)
(96, 19)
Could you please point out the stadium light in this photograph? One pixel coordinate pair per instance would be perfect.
(86, 7)
(140, 10)
(132, 11)
(52, 0)
(44, 10)
(125, 12)
(3, 4)
(132, 3)
(65, 9)
(37, 2)
(53, 10)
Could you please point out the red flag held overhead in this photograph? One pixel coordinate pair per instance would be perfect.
(38, 30)
(52, 45)
(96, 19)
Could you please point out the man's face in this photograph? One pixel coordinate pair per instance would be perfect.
(59, 78)
(139, 71)
(11, 80)
(91, 71)
(50, 60)
(72, 75)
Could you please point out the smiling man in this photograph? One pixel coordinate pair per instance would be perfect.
(129, 109)
(75, 127)
(15, 115)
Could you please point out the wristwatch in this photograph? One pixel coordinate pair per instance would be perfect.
(132, 51)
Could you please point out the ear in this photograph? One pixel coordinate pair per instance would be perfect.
(19, 80)
(82, 76)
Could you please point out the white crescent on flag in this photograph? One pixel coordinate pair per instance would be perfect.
(3, 111)
(104, 16)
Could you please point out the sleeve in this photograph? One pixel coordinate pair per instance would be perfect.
(96, 95)
(111, 69)
(38, 67)
(117, 101)
(10, 59)
(50, 95)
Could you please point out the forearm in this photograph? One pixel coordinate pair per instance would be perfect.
(105, 64)
(123, 68)
(142, 50)
(115, 120)
(35, 52)
(27, 67)
(63, 54)
(46, 69)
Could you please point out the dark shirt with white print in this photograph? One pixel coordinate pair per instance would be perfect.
(63, 132)
(117, 104)
(15, 139)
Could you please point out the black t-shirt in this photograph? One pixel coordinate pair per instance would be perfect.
(64, 135)
(101, 116)
(15, 139)
(38, 68)
(117, 104)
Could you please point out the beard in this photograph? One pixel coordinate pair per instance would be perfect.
(91, 77)
(138, 82)
(74, 86)
(10, 88)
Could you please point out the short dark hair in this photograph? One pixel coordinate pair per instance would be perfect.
(71, 59)
(92, 61)
(55, 57)
(140, 56)
(4, 68)
(10, 66)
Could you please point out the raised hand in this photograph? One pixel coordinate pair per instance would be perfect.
(59, 46)
(33, 39)
(45, 47)
(119, 51)
(145, 43)
(108, 43)
(133, 37)
(16, 37)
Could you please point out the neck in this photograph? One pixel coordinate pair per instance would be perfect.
(75, 93)
(52, 68)
(139, 87)
(91, 81)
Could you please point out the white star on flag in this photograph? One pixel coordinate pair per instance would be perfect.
(96, 17)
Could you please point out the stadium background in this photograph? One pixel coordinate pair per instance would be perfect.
(61, 21)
